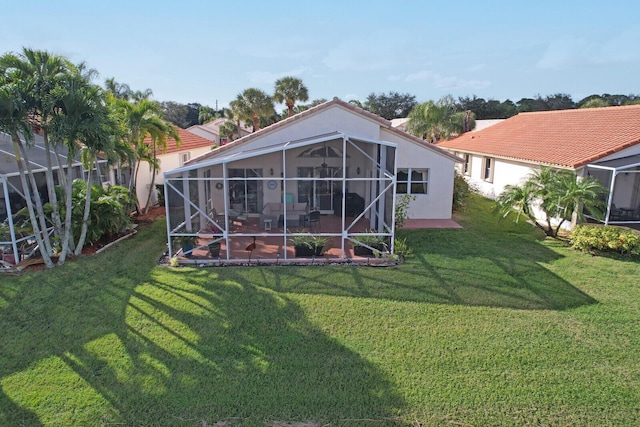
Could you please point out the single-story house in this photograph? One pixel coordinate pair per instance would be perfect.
(211, 131)
(334, 168)
(600, 142)
(172, 157)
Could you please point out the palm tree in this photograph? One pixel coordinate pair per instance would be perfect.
(288, 90)
(158, 135)
(14, 120)
(228, 129)
(137, 118)
(119, 90)
(41, 75)
(251, 105)
(434, 121)
(206, 114)
(580, 195)
(83, 117)
(560, 195)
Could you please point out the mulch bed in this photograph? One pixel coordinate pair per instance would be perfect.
(141, 220)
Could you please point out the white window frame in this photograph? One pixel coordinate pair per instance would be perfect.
(488, 167)
(466, 166)
(184, 157)
(410, 182)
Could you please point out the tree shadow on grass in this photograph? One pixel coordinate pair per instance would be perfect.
(447, 268)
(145, 346)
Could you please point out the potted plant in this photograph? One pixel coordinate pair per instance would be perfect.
(377, 243)
(214, 249)
(187, 243)
(307, 244)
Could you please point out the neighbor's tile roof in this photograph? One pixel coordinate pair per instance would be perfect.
(386, 124)
(190, 141)
(566, 138)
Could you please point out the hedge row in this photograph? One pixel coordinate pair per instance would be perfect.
(589, 238)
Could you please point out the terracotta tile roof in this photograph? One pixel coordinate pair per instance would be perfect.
(386, 124)
(190, 141)
(565, 138)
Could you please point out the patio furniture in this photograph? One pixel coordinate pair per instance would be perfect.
(267, 224)
(275, 211)
(312, 218)
(354, 204)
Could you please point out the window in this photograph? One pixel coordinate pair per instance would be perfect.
(467, 165)
(245, 191)
(412, 181)
(184, 158)
(488, 169)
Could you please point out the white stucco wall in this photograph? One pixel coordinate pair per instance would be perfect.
(333, 119)
(437, 203)
(505, 172)
(167, 162)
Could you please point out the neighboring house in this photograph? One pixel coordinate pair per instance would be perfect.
(485, 123)
(12, 194)
(173, 157)
(600, 142)
(211, 131)
(334, 158)
(401, 124)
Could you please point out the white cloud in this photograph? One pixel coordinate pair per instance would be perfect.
(261, 77)
(349, 96)
(419, 76)
(352, 55)
(439, 81)
(570, 51)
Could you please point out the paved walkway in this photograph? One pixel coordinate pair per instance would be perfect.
(413, 224)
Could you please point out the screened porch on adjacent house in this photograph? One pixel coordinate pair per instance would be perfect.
(622, 178)
(254, 205)
(16, 243)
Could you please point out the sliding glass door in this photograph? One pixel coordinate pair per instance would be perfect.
(319, 186)
(245, 193)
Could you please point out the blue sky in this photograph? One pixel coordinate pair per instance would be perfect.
(208, 50)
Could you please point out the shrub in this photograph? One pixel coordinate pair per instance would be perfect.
(308, 240)
(588, 238)
(401, 248)
(402, 208)
(461, 191)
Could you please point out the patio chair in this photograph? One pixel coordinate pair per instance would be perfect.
(311, 218)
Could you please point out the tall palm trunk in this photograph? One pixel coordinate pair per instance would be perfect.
(68, 236)
(153, 182)
(53, 198)
(17, 147)
(38, 202)
(85, 215)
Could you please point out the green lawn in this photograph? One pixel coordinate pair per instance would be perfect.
(486, 325)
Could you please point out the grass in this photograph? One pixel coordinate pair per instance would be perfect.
(486, 325)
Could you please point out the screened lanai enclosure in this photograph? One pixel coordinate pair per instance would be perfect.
(15, 243)
(622, 177)
(334, 193)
